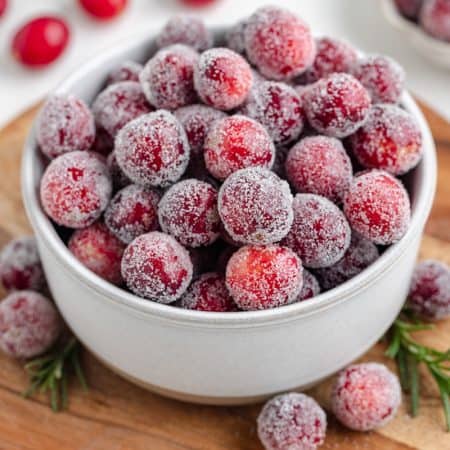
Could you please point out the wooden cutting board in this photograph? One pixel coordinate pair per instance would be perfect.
(115, 414)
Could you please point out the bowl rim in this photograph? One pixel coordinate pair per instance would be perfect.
(48, 236)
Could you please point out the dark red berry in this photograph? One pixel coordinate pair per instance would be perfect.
(103, 9)
(435, 18)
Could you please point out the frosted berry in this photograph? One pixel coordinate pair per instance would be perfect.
(263, 277)
(365, 396)
(155, 266)
(255, 206)
(64, 124)
(104, 9)
(188, 211)
(237, 142)
(377, 206)
(153, 149)
(223, 78)
(292, 421)
(29, 324)
(435, 18)
(126, 71)
(310, 288)
(279, 43)
(234, 37)
(409, 8)
(75, 189)
(119, 179)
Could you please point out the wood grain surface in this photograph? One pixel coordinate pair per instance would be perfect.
(116, 415)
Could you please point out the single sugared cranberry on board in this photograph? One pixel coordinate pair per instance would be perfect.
(75, 189)
(65, 124)
(409, 8)
(223, 78)
(208, 293)
(119, 179)
(3, 6)
(234, 37)
(435, 18)
(156, 267)
(103, 9)
(292, 421)
(429, 294)
(187, 30)
(29, 324)
(255, 206)
(237, 142)
(126, 71)
(378, 207)
(365, 396)
(153, 150)
(279, 43)
(310, 288)
(99, 250)
(278, 107)
(20, 265)
(40, 41)
(320, 165)
(118, 104)
(263, 277)
(320, 233)
(337, 105)
(390, 140)
(132, 212)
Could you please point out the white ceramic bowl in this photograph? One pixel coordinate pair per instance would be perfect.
(435, 50)
(223, 358)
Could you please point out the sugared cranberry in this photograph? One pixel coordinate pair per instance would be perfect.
(234, 37)
(20, 265)
(155, 266)
(126, 71)
(409, 8)
(119, 179)
(75, 189)
(263, 277)
(153, 149)
(223, 78)
(429, 294)
(435, 18)
(65, 124)
(310, 288)
(118, 104)
(292, 421)
(365, 396)
(103, 9)
(320, 165)
(40, 41)
(237, 142)
(132, 212)
(279, 43)
(3, 6)
(187, 30)
(337, 105)
(29, 324)
(255, 206)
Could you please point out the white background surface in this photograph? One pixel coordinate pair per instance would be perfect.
(359, 21)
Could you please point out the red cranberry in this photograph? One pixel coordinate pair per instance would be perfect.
(409, 8)
(197, 3)
(237, 142)
(3, 6)
(119, 179)
(235, 38)
(263, 277)
(310, 288)
(365, 396)
(126, 71)
(435, 18)
(279, 43)
(103, 9)
(155, 266)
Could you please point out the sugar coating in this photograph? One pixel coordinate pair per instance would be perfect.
(292, 421)
(188, 211)
(409, 8)
(187, 30)
(125, 71)
(99, 250)
(234, 37)
(237, 142)
(320, 165)
(119, 179)
(20, 265)
(168, 77)
(153, 149)
(360, 255)
(255, 206)
(156, 267)
(278, 107)
(377, 206)
(320, 233)
(208, 293)
(390, 140)
(279, 43)
(429, 294)
(132, 212)
(263, 277)
(29, 324)
(337, 105)
(223, 78)
(365, 396)
(434, 18)
(118, 104)
(64, 124)
(310, 288)
(75, 189)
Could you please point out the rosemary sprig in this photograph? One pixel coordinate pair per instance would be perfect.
(50, 373)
